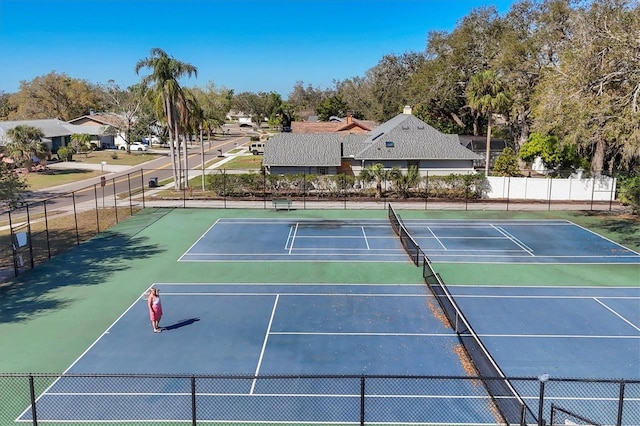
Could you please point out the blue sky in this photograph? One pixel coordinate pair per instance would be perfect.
(244, 45)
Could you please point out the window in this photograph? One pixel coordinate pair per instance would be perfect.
(389, 144)
(322, 171)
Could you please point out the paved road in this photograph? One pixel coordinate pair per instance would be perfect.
(127, 179)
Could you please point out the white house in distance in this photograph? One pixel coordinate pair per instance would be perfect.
(404, 141)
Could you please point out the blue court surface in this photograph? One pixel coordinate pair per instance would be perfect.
(468, 241)
(259, 330)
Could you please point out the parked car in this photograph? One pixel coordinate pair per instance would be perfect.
(136, 146)
(256, 148)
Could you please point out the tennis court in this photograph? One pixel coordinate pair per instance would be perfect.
(467, 241)
(251, 297)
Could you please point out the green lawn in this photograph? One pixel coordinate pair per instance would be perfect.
(116, 157)
(244, 162)
(52, 177)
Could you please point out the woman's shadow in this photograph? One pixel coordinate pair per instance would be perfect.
(180, 323)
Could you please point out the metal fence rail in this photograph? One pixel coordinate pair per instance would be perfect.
(75, 399)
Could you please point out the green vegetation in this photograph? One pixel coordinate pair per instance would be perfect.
(120, 158)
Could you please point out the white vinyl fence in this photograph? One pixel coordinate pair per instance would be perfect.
(599, 188)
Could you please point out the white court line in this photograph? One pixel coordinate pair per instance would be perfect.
(605, 238)
(286, 244)
(46, 391)
(436, 237)
(364, 234)
(287, 395)
(311, 333)
(293, 238)
(617, 314)
(198, 240)
(294, 294)
(264, 343)
(560, 336)
(532, 296)
(514, 239)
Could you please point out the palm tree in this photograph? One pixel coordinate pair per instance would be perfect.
(404, 182)
(26, 143)
(486, 95)
(377, 173)
(81, 142)
(163, 80)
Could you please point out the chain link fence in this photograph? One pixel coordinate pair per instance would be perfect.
(346, 400)
(56, 221)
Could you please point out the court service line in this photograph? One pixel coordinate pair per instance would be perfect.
(559, 336)
(436, 237)
(364, 234)
(328, 333)
(293, 238)
(617, 314)
(264, 343)
(204, 234)
(514, 239)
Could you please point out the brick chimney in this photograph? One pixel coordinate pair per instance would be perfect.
(349, 118)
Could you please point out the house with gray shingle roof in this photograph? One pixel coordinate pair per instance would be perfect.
(404, 141)
(57, 133)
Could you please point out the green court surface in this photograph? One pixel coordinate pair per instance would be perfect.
(51, 315)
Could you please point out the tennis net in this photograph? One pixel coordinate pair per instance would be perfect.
(509, 404)
(408, 243)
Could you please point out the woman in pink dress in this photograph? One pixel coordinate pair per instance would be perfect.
(155, 309)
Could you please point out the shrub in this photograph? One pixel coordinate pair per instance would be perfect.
(65, 154)
(629, 194)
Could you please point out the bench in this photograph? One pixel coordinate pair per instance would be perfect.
(281, 204)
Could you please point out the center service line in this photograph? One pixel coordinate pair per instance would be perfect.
(264, 344)
(364, 234)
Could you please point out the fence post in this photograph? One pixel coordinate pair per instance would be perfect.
(426, 191)
(620, 403)
(75, 217)
(193, 401)
(95, 196)
(508, 191)
(142, 186)
(362, 401)
(14, 247)
(130, 195)
(46, 228)
(543, 379)
(264, 188)
(31, 262)
(344, 189)
(115, 200)
(32, 395)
